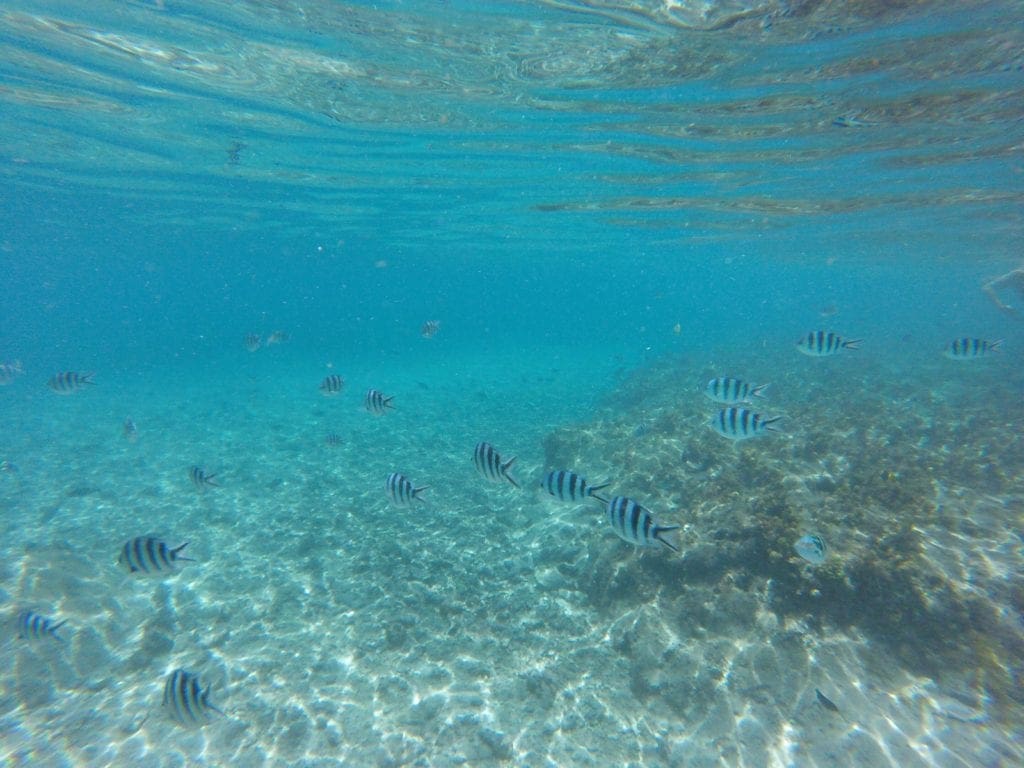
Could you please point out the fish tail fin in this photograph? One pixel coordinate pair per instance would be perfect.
(87, 378)
(416, 492)
(176, 550)
(995, 344)
(506, 467)
(387, 402)
(55, 627)
(852, 343)
(758, 391)
(768, 423)
(208, 480)
(670, 542)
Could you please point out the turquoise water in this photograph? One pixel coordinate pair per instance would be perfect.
(605, 205)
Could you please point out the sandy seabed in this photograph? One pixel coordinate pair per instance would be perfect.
(491, 625)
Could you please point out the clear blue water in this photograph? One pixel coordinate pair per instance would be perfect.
(605, 204)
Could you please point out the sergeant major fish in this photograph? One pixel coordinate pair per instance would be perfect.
(32, 626)
(970, 349)
(635, 524)
(69, 382)
(811, 548)
(376, 402)
(185, 700)
(825, 343)
(147, 554)
(401, 491)
(489, 463)
(741, 424)
(252, 341)
(200, 479)
(730, 391)
(331, 385)
(568, 486)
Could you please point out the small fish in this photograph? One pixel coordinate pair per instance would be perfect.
(147, 554)
(32, 626)
(333, 440)
(129, 430)
(185, 700)
(489, 464)
(811, 548)
(825, 343)
(9, 372)
(253, 341)
(677, 329)
(69, 382)
(568, 486)
(730, 391)
(970, 349)
(826, 702)
(8, 466)
(376, 402)
(200, 479)
(430, 329)
(829, 310)
(332, 385)
(635, 524)
(278, 337)
(401, 491)
(741, 424)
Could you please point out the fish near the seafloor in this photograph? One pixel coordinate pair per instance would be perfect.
(635, 524)
(332, 385)
(568, 486)
(741, 423)
(69, 382)
(489, 463)
(252, 341)
(826, 702)
(730, 391)
(825, 343)
(376, 402)
(32, 626)
(401, 491)
(147, 554)
(970, 349)
(185, 700)
(430, 329)
(200, 479)
(129, 430)
(811, 548)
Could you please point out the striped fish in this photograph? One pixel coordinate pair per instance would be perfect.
(129, 430)
(636, 525)
(147, 554)
(430, 329)
(825, 343)
(377, 402)
(185, 700)
(32, 626)
(401, 491)
(970, 349)
(332, 385)
(740, 423)
(568, 486)
(69, 382)
(252, 341)
(333, 440)
(730, 391)
(489, 464)
(200, 479)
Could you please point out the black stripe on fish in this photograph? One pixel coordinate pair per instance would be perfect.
(377, 402)
(401, 490)
(33, 626)
(185, 700)
(568, 486)
(332, 384)
(147, 554)
(69, 382)
(200, 479)
(635, 524)
(490, 464)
